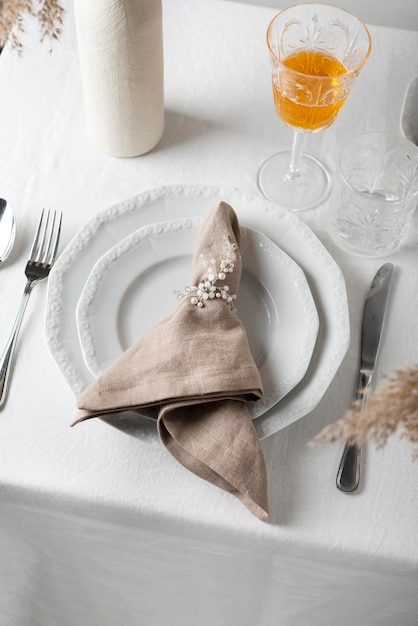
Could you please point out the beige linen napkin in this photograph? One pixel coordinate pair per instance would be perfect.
(197, 368)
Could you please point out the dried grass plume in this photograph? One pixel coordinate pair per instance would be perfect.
(392, 407)
(48, 13)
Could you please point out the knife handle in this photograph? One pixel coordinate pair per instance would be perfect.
(348, 475)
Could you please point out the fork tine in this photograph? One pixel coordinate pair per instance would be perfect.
(54, 238)
(38, 237)
(47, 240)
(45, 244)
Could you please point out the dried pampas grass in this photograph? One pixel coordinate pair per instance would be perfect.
(48, 13)
(392, 407)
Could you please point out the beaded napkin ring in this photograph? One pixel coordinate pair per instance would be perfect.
(208, 288)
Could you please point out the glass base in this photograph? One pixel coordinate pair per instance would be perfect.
(363, 244)
(301, 193)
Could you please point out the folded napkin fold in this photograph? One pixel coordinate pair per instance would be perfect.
(196, 367)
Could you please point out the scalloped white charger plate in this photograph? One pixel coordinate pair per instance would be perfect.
(110, 226)
(131, 287)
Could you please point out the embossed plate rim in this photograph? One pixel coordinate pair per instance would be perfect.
(163, 203)
(290, 348)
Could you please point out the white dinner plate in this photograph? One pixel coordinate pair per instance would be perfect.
(108, 227)
(131, 287)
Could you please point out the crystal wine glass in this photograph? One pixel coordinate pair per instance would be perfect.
(317, 51)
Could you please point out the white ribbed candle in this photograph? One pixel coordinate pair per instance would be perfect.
(121, 62)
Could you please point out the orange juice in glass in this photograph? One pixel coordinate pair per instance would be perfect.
(317, 51)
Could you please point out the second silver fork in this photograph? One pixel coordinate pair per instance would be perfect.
(42, 257)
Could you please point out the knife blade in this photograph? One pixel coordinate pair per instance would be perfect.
(374, 314)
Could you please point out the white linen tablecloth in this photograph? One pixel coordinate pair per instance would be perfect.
(97, 527)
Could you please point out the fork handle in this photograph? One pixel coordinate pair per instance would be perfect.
(7, 356)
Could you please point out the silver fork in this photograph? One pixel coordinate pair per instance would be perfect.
(42, 257)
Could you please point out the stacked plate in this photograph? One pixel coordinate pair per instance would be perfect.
(118, 276)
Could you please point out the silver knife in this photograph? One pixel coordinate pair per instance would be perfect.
(348, 475)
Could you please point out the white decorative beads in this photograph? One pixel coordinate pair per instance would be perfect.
(209, 287)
